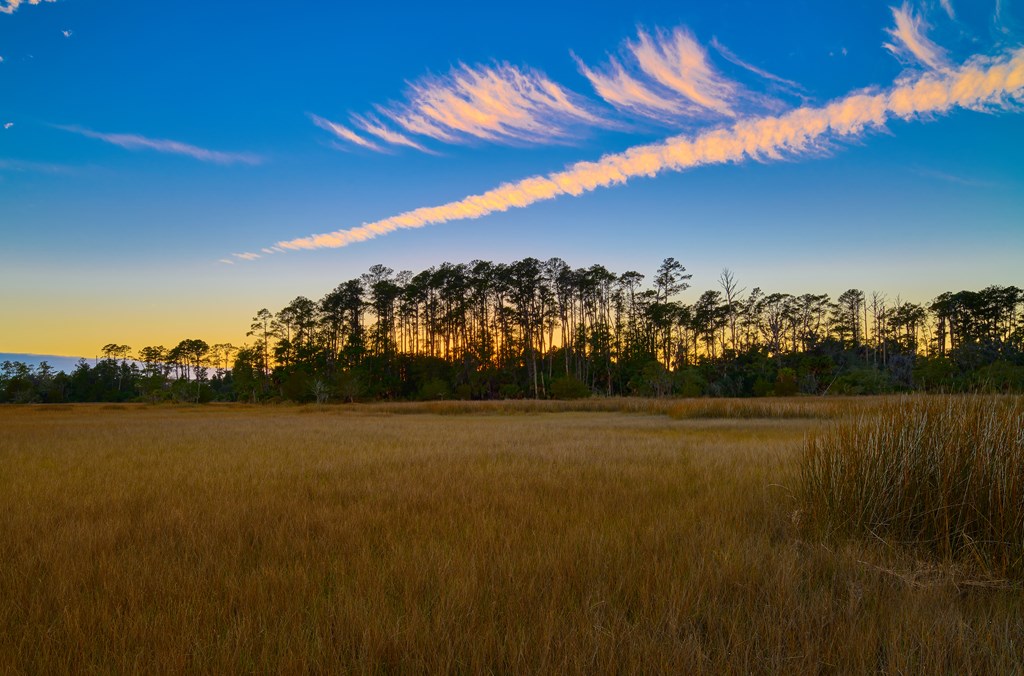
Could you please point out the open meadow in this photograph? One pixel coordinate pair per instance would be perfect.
(597, 536)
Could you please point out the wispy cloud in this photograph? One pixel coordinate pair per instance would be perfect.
(344, 133)
(729, 56)
(371, 125)
(979, 84)
(36, 167)
(10, 6)
(8, 125)
(502, 103)
(947, 177)
(666, 75)
(136, 142)
(948, 6)
(909, 39)
(613, 84)
(498, 104)
(678, 62)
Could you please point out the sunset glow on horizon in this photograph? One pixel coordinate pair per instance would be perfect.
(160, 174)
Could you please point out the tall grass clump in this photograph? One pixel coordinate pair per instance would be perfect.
(944, 475)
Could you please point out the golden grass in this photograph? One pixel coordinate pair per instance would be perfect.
(351, 539)
(943, 474)
(782, 407)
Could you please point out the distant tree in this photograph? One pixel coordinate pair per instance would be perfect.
(260, 329)
(848, 310)
(727, 280)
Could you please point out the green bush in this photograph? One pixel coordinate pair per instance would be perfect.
(785, 383)
(435, 388)
(569, 388)
(862, 381)
(510, 391)
(690, 383)
(1001, 376)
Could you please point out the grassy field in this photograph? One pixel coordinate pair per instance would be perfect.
(584, 537)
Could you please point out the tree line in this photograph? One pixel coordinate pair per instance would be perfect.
(543, 329)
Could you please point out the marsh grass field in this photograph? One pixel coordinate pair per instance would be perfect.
(601, 536)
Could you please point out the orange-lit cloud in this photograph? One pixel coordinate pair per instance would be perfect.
(344, 133)
(981, 83)
(664, 75)
(909, 39)
(500, 104)
(613, 84)
(671, 75)
(679, 63)
(136, 142)
(11, 5)
(372, 125)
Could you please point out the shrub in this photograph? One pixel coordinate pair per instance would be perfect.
(510, 391)
(569, 388)
(785, 383)
(862, 381)
(690, 382)
(435, 388)
(944, 475)
(1001, 376)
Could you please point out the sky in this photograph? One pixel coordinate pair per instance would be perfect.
(166, 170)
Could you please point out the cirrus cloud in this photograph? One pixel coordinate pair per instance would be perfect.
(910, 39)
(137, 142)
(10, 6)
(497, 104)
(664, 73)
(982, 83)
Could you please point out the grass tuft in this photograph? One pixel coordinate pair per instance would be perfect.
(944, 475)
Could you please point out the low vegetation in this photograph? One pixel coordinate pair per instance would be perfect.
(585, 536)
(945, 475)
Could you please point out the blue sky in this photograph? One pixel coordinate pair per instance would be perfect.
(141, 143)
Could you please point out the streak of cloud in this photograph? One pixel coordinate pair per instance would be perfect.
(729, 56)
(980, 84)
(500, 104)
(136, 142)
(957, 179)
(36, 167)
(344, 133)
(909, 38)
(12, 5)
(375, 127)
(948, 6)
(8, 125)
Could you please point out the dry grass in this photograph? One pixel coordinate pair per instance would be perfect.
(942, 474)
(240, 539)
(776, 408)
